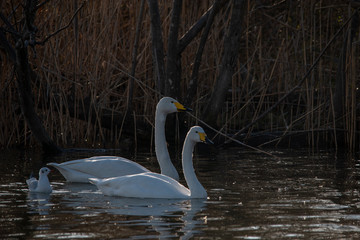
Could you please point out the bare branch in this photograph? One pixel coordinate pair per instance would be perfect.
(10, 51)
(10, 27)
(42, 4)
(195, 72)
(63, 28)
(195, 29)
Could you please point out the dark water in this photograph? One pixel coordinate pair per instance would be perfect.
(301, 195)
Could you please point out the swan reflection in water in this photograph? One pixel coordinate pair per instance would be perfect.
(85, 199)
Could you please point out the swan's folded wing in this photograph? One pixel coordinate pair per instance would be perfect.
(103, 167)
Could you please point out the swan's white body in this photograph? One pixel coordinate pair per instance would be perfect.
(42, 185)
(154, 185)
(108, 166)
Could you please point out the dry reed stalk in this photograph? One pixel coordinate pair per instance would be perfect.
(353, 74)
(135, 132)
(333, 118)
(265, 89)
(91, 60)
(288, 131)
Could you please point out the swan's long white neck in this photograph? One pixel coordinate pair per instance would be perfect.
(196, 189)
(162, 154)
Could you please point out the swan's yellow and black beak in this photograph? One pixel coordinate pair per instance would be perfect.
(204, 138)
(182, 108)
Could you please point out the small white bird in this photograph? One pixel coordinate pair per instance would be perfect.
(42, 185)
(155, 185)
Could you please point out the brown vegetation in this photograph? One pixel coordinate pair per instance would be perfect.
(81, 91)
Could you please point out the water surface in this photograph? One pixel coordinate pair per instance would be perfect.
(301, 195)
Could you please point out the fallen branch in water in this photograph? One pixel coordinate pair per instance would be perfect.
(232, 139)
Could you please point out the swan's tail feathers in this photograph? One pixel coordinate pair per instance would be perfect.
(59, 168)
(52, 164)
(94, 181)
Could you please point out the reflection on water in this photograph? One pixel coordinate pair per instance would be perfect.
(251, 196)
(86, 206)
(161, 215)
(39, 203)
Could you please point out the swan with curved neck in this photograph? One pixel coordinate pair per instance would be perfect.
(154, 185)
(164, 107)
(110, 166)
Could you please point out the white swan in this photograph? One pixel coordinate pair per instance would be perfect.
(154, 185)
(42, 185)
(109, 166)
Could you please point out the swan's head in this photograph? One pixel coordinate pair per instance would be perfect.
(197, 134)
(44, 171)
(170, 105)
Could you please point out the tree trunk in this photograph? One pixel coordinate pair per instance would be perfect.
(23, 77)
(173, 63)
(134, 60)
(228, 63)
(157, 45)
(19, 56)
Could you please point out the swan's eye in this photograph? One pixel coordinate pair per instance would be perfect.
(172, 101)
(196, 131)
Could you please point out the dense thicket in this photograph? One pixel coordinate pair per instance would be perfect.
(86, 74)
